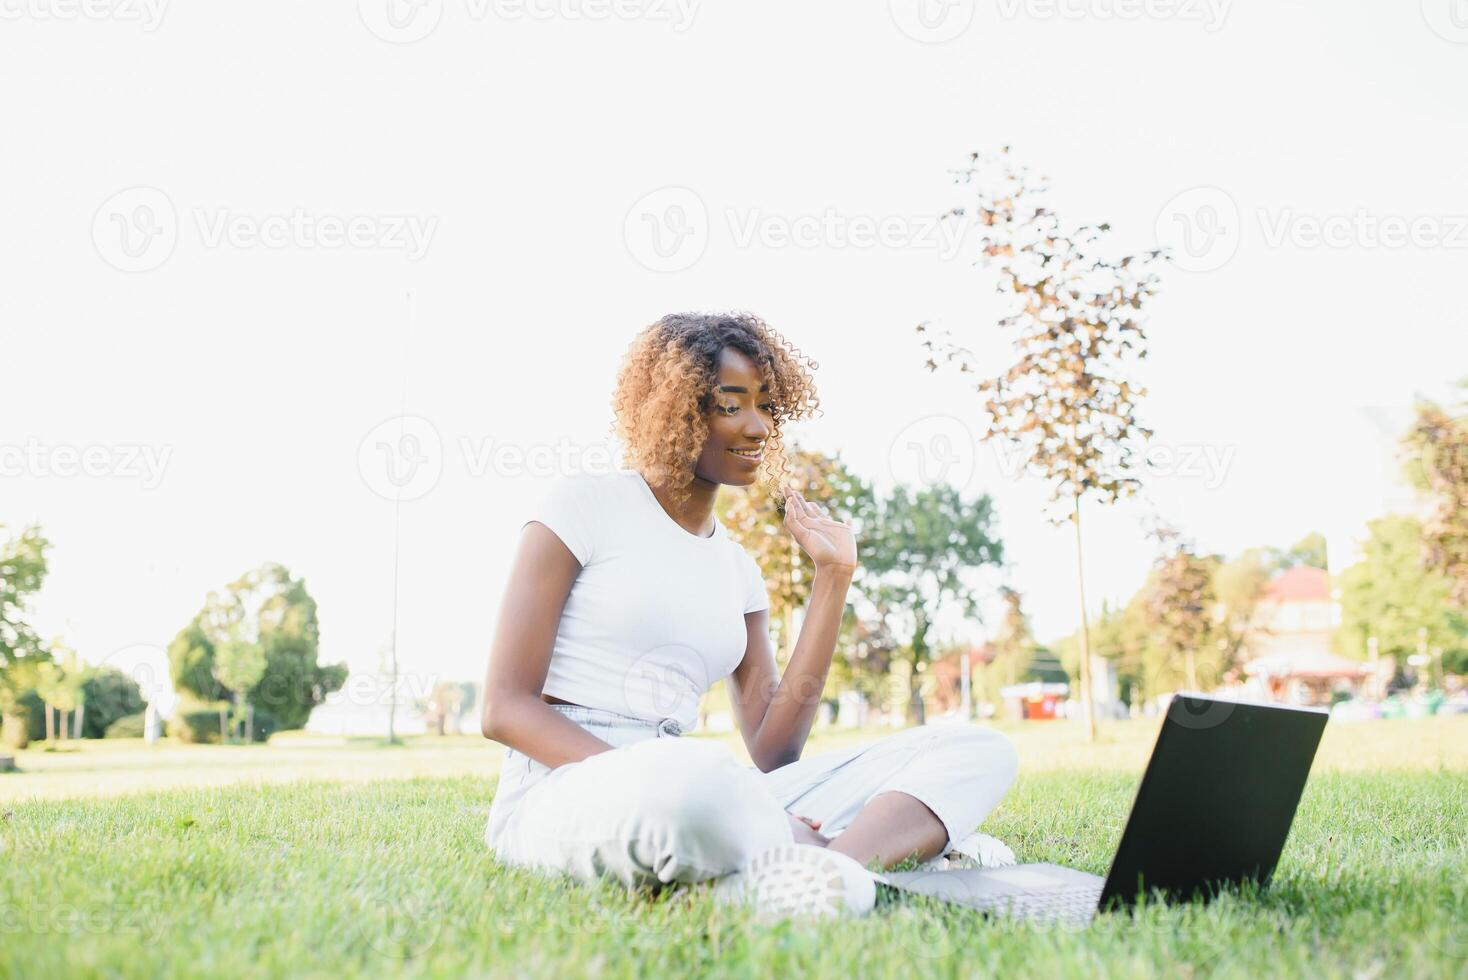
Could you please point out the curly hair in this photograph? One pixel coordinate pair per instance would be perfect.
(665, 388)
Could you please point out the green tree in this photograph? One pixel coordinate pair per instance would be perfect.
(1014, 642)
(239, 665)
(1438, 465)
(916, 556)
(109, 694)
(1067, 404)
(22, 571)
(1309, 550)
(1239, 585)
(1391, 595)
(865, 654)
(1179, 605)
(755, 519)
(272, 609)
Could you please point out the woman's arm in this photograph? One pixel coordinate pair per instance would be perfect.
(775, 714)
(514, 714)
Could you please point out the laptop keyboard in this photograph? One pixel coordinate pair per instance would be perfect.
(1067, 906)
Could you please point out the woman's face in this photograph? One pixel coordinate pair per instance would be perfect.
(740, 417)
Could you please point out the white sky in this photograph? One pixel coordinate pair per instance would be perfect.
(520, 147)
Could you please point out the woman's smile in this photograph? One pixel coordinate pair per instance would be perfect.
(751, 456)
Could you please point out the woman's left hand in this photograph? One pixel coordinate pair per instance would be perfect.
(829, 543)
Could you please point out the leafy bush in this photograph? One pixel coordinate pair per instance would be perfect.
(128, 726)
(196, 725)
(15, 727)
(199, 724)
(36, 711)
(110, 695)
(265, 725)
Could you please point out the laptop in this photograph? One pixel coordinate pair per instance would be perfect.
(1213, 811)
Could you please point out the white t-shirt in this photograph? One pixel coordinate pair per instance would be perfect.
(656, 615)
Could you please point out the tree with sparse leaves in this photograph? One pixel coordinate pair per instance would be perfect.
(1438, 465)
(1179, 603)
(1067, 404)
(1014, 642)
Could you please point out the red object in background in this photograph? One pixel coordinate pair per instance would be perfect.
(1041, 706)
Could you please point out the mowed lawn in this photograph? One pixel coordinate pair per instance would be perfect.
(336, 857)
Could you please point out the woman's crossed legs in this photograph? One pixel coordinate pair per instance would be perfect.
(666, 810)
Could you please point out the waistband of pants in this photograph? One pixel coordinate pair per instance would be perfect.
(583, 715)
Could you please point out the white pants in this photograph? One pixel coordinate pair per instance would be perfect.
(659, 808)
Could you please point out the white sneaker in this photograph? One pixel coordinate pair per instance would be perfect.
(798, 880)
(976, 851)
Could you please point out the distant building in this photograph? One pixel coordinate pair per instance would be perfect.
(1289, 656)
(1297, 614)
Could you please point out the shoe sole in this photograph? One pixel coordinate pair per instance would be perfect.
(793, 881)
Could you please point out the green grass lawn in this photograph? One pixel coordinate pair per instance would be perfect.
(339, 857)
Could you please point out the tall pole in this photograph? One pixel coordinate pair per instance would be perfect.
(397, 520)
(1087, 706)
(965, 687)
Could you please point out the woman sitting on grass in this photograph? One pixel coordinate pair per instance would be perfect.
(627, 601)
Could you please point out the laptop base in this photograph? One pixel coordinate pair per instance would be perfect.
(1045, 893)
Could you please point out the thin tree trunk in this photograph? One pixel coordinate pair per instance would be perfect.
(249, 724)
(81, 713)
(50, 728)
(1088, 705)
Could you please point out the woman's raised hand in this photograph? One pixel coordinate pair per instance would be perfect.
(829, 543)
